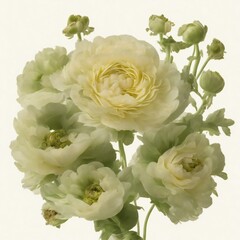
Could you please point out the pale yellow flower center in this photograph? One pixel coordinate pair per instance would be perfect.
(56, 139)
(92, 193)
(191, 164)
(122, 86)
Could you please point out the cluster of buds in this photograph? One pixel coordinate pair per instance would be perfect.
(192, 34)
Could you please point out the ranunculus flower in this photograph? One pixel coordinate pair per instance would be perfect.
(92, 192)
(119, 82)
(52, 140)
(182, 177)
(34, 85)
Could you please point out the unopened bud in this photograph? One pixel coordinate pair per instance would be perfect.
(159, 25)
(211, 82)
(193, 32)
(216, 49)
(76, 25)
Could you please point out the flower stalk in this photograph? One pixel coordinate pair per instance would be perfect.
(146, 222)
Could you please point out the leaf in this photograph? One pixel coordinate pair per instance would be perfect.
(128, 236)
(217, 119)
(187, 76)
(128, 217)
(108, 228)
(119, 224)
(175, 46)
(161, 206)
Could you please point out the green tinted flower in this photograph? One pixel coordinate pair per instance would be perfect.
(52, 140)
(93, 192)
(36, 73)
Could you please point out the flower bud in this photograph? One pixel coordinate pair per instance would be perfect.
(211, 82)
(76, 24)
(193, 32)
(216, 49)
(159, 25)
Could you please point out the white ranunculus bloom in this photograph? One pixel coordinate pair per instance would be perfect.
(92, 192)
(119, 82)
(52, 140)
(36, 75)
(182, 177)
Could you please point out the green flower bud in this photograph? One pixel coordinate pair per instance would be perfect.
(77, 24)
(193, 32)
(159, 25)
(216, 49)
(211, 82)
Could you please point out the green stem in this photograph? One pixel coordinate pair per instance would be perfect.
(207, 100)
(168, 54)
(79, 36)
(191, 60)
(197, 60)
(203, 66)
(146, 222)
(138, 223)
(123, 158)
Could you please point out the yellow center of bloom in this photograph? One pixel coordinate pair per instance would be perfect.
(191, 164)
(92, 193)
(122, 86)
(56, 139)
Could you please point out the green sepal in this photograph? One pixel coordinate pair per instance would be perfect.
(126, 137)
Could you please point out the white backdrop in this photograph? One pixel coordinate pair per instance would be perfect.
(27, 26)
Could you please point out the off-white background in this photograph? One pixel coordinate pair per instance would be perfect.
(27, 26)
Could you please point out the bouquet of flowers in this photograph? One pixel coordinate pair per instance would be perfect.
(80, 110)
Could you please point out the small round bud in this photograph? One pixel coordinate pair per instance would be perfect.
(211, 82)
(159, 25)
(193, 32)
(216, 49)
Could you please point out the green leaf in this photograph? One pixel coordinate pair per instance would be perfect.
(175, 46)
(187, 76)
(161, 206)
(128, 236)
(217, 119)
(108, 227)
(119, 224)
(128, 217)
